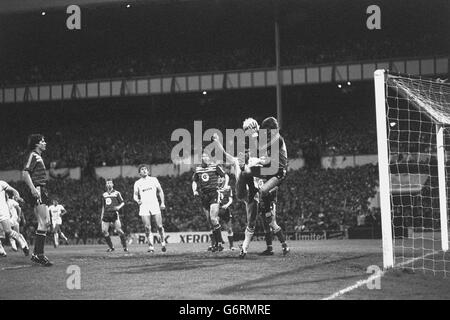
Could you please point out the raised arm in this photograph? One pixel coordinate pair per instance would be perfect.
(233, 160)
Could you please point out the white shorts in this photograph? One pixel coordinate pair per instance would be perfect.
(147, 210)
(4, 216)
(54, 223)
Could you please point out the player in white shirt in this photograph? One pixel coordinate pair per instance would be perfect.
(5, 216)
(146, 192)
(56, 212)
(16, 216)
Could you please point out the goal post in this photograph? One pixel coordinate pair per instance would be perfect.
(442, 186)
(383, 169)
(413, 122)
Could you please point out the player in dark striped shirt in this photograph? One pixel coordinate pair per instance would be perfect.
(206, 179)
(112, 202)
(35, 177)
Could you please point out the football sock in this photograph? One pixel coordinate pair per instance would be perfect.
(19, 239)
(230, 240)
(13, 243)
(123, 240)
(63, 236)
(39, 242)
(55, 238)
(269, 238)
(280, 236)
(108, 241)
(213, 240)
(161, 234)
(218, 235)
(248, 237)
(149, 237)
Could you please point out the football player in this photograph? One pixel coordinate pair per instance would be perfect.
(146, 192)
(206, 180)
(112, 202)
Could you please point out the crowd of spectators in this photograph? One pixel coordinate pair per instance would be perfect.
(309, 200)
(157, 62)
(130, 132)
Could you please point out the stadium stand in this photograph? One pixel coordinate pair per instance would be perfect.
(312, 200)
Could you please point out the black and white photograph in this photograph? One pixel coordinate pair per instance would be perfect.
(229, 156)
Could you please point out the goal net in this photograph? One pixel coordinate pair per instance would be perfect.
(413, 122)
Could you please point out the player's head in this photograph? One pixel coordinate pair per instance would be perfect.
(143, 170)
(109, 184)
(55, 202)
(36, 141)
(205, 159)
(250, 127)
(270, 123)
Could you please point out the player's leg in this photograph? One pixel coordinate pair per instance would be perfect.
(270, 186)
(55, 235)
(252, 211)
(243, 183)
(265, 212)
(211, 236)
(12, 241)
(15, 226)
(160, 227)
(2, 238)
(148, 231)
(223, 222)
(215, 223)
(229, 227)
(270, 217)
(123, 239)
(43, 219)
(63, 236)
(6, 225)
(105, 231)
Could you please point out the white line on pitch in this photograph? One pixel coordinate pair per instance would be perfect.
(16, 267)
(372, 278)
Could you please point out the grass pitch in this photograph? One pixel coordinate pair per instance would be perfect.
(312, 270)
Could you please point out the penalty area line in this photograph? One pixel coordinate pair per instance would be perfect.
(16, 267)
(361, 283)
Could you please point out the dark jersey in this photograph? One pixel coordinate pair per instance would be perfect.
(36, 168)
(225, 196)
(254, 148)
(279, 155)
(207, 178)
(110, 200)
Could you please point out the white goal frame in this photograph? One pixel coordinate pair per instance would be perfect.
(385, 186)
